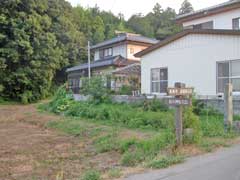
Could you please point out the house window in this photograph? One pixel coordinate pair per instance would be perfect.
(101, 54)
(228, 72)
(236, 23)
(159, 80)
(206, 25)
(108, 52)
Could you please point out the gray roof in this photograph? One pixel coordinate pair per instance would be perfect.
(95, 64)
(230, 2)
(134, 68)
(126, 37)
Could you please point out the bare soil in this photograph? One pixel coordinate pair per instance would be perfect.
(28, 150)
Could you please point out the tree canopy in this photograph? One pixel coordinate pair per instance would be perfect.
(186, 7)
(157, 24)
(40, 39)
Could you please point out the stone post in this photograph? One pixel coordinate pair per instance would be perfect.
(179, 125)
(228, 106)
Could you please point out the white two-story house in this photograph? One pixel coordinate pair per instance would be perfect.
(206, 55)
(109, 56)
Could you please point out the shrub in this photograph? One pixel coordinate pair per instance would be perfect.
(199, 108)
(91, 175)
(154, 105)
(157, 105)
(166, 161)
(61, 101)
(96, 88)
(27, 97)
(125, 90)
(191, 121)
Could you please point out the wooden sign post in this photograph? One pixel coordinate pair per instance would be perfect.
(181, 94)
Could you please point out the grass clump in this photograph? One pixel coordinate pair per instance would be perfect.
(70, 127)
(137, 151)
(209, 146)
(107, 143)
(114, 173)
(91, 175)
(132, 158)
(166, 161)
(213, 126)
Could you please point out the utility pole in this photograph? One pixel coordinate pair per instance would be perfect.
(89, 61)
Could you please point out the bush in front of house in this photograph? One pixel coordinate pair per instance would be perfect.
(61, 101)
(125, 90)
(96, 88)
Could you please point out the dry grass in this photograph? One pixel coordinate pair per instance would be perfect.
(30, 150)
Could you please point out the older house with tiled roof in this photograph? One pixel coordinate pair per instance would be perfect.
(110, 57)
(206, 55)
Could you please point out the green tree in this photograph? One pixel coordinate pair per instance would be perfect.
(98, 30)
(141, 25)
(37, 40)
(186, 7)
(159, 23)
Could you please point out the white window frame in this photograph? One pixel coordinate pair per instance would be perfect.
(158, 81)
(229, 77)
(108, 52)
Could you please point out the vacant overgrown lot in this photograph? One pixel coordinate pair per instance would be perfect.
(140, 135)
(64, 139)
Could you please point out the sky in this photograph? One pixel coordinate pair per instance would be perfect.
(130, 7)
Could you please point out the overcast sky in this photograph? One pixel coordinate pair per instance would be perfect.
(130, 7)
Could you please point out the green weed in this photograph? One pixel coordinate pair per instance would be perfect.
(166, 161)
(107, 143)
(114, 173)
(91, 175)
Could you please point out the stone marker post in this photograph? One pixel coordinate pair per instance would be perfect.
(179, 125)
(228, 106)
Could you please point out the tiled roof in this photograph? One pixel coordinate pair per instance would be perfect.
(184, 33)
(99, 63)
(231, 4)
(126, 37)
(134, 68)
